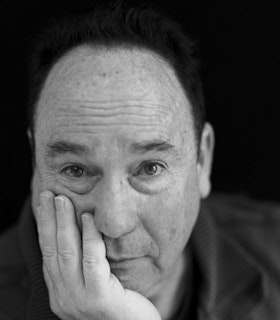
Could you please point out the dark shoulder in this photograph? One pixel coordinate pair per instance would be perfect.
(14, 280)
(230, 210)
(253, 225)
(10, 247)
(12, 265)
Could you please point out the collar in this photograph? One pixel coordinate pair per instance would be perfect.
(230, 281)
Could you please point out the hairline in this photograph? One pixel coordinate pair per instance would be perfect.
(115, 45)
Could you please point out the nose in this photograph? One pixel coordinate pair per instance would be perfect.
(115, 209)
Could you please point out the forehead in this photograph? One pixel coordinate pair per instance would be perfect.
(113, 80)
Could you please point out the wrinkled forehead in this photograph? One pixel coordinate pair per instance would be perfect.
(113, 75)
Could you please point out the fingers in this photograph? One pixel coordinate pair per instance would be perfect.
(59, 239)
(96, 268)
(68, 240)
(47, 232)
(70, 261)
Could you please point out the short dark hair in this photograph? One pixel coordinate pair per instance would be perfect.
(118, 23)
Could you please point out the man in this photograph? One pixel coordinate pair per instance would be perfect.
(122, 160)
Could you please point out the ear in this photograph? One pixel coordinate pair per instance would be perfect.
(31, 144)
(30, 139)
(35, 180)
(205, 158)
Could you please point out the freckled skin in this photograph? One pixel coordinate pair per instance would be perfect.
(107, 99)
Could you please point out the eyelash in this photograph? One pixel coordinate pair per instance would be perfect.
(64, 170)
(150, 163)
(138, 171)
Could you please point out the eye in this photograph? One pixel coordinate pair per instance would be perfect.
(74, 171)
(151, 169)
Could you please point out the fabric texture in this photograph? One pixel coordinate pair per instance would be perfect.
(235, 265)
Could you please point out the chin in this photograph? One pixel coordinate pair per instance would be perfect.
(140, 276)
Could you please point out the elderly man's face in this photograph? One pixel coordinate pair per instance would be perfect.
(114, 133)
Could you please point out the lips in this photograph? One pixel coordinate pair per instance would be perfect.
(125, 263)
(112, 259)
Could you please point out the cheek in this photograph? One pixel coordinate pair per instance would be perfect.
(42, 182)
(47, 181)
(164, 216)
(169, 217)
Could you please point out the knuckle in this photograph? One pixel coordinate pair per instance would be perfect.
(90, 259)
(66, 255)
(49, 252)
(95, 268)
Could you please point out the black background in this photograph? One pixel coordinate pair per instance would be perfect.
(240, 51)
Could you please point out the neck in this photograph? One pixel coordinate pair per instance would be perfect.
(171, 294)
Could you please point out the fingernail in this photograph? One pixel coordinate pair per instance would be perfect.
(45, 200)
(86, 217)
(59, 203)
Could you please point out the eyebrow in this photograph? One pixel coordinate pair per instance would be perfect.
(62, 147)
(157, 145)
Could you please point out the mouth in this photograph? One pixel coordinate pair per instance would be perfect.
(121, 262)
(120, 259)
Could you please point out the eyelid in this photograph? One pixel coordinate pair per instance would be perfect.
(66, 171)
(157, 162)
(86, 170)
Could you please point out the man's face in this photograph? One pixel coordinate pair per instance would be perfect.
(114, 133)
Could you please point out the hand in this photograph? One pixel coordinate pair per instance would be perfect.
(80, 283)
